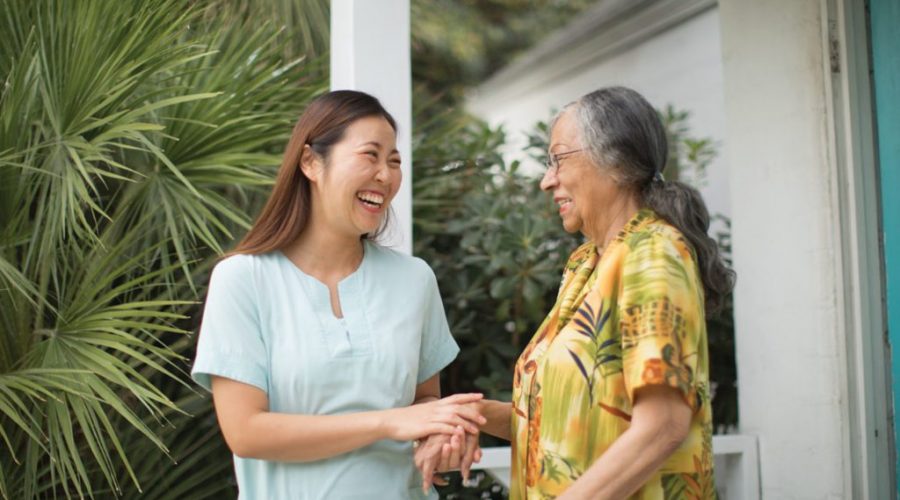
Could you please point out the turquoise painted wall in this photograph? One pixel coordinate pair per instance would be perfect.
(885, 22)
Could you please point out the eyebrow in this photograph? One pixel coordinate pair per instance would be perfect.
(377, 145)
(559, 145)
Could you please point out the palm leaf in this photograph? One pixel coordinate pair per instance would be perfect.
(581, 367)
(134, 137)
(231, 140)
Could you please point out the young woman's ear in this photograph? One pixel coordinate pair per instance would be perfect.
(310, 163)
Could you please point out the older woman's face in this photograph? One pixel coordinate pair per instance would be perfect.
(580, 189)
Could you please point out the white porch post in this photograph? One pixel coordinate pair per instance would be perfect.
(370, 53)
(796, 133)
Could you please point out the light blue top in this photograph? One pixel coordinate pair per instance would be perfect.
(268, 324)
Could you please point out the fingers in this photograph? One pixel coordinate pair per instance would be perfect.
(419, 460)
(469, 457)
(457, 441)
(446, 450)
(470, 413)
(447, 424)
(462, 398)
(428, 454)
(440, 428)
(428, 466)
(443, 452)
(425, 453)
(462, 442)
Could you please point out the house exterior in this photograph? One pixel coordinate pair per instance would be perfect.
(804, 96)
(667, 50)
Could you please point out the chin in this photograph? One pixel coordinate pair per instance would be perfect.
(571, 227)
(368, 228)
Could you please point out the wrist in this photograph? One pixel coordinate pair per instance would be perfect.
(380, 423)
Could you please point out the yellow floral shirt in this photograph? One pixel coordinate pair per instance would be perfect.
(629, 318)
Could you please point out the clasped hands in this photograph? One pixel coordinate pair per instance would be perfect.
(453, 445)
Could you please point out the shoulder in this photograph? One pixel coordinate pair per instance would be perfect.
(236, 263)
(658, 261)
(398, 264)
(655, 240)
(241, 269)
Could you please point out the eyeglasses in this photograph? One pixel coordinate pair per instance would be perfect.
(553, 159)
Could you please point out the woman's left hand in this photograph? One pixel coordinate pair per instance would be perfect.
(433, 454)
(442, 453)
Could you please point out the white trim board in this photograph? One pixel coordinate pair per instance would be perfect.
(610, 28)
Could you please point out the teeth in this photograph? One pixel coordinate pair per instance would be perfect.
(371, 198)
(564, 202)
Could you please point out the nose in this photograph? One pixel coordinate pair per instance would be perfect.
(383, 173)
(549, 180)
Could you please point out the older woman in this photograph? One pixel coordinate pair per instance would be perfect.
(611, 396)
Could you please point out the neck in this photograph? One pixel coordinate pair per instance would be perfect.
(612, 219)
(325, 254)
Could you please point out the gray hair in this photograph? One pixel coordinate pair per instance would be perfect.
(624, 137)
(622, 133)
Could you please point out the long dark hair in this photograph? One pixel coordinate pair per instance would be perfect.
(321, 126)
(620, 130)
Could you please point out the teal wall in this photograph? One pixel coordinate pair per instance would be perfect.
(885, 22)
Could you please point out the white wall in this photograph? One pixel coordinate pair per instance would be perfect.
(791, 362)
(680, 66)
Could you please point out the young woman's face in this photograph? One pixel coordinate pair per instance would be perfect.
(354, 190)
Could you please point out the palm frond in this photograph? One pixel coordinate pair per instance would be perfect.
(99, 337)
(218, 150)
(134, 140)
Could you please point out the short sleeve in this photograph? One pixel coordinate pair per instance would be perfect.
(661, 317)
(230, 343)
(438, 347)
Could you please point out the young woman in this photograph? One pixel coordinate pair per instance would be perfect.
(321, 348)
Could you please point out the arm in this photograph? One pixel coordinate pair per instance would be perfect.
(429, 390)
(659, 424)
(252, 431)
(498, 415)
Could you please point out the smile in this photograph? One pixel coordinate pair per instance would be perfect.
(371, 199)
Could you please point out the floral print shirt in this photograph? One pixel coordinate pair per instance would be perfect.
(631, 317)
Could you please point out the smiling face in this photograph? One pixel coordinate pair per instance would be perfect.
(353, 187)
(582, 191)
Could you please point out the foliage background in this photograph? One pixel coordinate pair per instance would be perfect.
(137, 140)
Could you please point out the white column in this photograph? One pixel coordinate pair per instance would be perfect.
(790, 345)
(370, 53)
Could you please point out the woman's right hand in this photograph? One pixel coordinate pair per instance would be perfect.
(435, 417)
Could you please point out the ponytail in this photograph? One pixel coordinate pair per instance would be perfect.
(621, 131)
(682, 206)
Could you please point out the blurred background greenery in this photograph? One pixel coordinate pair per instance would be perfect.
(138, 140)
